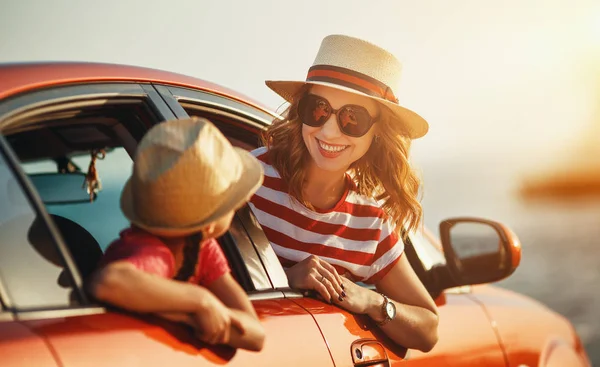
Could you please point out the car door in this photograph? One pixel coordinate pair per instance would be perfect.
(78, 330)
(466, 334)
(466, 337)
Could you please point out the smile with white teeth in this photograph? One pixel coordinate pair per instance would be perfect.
(331, 148)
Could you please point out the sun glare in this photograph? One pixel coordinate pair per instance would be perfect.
(595, 28)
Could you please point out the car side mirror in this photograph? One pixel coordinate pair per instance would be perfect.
(478, 250)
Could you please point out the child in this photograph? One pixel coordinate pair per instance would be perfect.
(186, 184)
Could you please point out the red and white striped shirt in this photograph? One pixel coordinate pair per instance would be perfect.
(354, 236)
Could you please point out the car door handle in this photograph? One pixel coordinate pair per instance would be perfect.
(369, 352)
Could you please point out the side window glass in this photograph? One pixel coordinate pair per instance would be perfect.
(55, 132)
(32, 271)
(102, 218)
(263, 249)
(246, 266)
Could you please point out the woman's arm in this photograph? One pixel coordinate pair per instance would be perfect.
(416, 321)
(234, 297)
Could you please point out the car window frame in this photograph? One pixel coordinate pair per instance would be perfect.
(10, 108)
(5, 313)
(239, 249)
(254, 117)
(255, 120)
(210, 103)
(62, 93)
(40, 211)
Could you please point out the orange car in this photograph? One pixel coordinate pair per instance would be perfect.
(54, 117)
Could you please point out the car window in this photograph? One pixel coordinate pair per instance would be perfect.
(241, 124)
(57, 130)
(246, 266)
(103, 217)
(32, 269)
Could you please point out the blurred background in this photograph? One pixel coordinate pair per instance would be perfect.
(511, 90)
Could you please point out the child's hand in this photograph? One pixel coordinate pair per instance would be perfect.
(214, 322)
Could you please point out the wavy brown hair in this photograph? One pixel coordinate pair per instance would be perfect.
(383, 173)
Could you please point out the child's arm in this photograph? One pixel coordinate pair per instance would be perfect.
(234, 297)
(122, 284)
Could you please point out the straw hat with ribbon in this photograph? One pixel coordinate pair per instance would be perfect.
(360, 67)
(186, 175)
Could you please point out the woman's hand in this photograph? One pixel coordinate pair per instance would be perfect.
(313, 273)
(358, 300)
(214, 321)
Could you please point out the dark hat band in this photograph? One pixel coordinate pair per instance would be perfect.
(351, 79)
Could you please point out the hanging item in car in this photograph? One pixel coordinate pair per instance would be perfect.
(92, 179)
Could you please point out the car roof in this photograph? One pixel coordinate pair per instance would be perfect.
(21, 77)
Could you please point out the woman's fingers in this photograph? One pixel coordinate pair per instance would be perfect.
(329, 277)
(330, 288)
(330, 282)
(331, 269)
(321, 288)
(317, 274)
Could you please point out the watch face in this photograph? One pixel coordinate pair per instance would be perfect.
(390, 308)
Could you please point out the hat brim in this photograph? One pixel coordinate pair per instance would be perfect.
(239, 192)
(414, 125)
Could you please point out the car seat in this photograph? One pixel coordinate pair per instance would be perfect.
(84, 249)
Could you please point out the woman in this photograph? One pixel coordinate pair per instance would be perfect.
(339, 191)
(186, 184)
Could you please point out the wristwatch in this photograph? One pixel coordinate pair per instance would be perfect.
(388, 308)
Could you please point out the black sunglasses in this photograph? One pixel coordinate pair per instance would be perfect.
(353, 120)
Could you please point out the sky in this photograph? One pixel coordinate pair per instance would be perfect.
(513, 83)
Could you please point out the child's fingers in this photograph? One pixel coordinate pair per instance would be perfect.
(225, 336)
(236, 322)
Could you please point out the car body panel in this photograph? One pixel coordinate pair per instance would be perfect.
(512, 314)
(480, 325)
(558, 353)
(22, 77)
(20, 346)
(120, 339)
(461, 342)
